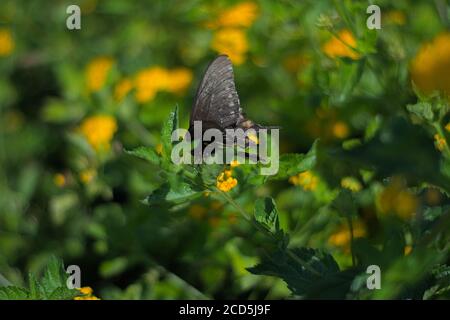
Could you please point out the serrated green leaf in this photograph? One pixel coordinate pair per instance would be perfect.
(423, 110)
(13, 293)
(146, 153)
(172, 195)
(169, 126)
(36, 291)
(300, 280)
(295, 163)
(53, 276)
(266, 214)
(63, 293)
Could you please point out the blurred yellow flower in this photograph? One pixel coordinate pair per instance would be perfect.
(225, 182)
(197, 211)
(232, 42)
(87, 294)
(341, 46)
(6, 42)
(342, 237)
(407, 250)
(85, 290)
(395, 17)
(122, 89)
(59, 180)
(340, 130)
(99, 131)
(234, 164)
(241, 15)
(295, 62)
(430, 69)
(148, 82)
(214, 222)
(97, 72)
(179, 80)
(216, 205)
(447, 127)
(351, 184)
(151, 80)
(439, 142)
(159, 148)
(86, 176)
(396, 199)
(307, 180)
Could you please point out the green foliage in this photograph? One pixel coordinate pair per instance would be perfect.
(51, 286)
(86, 173)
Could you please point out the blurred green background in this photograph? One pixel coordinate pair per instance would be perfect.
(72, 100)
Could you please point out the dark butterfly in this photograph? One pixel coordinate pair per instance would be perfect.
(216, 103)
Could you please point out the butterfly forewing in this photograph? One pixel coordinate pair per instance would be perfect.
(217, 103)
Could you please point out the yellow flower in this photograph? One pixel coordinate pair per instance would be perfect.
(214, 221)
(99, 131)
(225, 182)
(179, 80)
(397, 200)
(307, 180)
(340, 130)
(216, 205)
(439, 142)
(159, 148)
(295, 62)
(253, 138)
(149, 81)
(232, 42)
(97, 72)
(59, 179)
(197, 211)
(122, 89)
(342, 237)
(86, 176)
(341, 46)
(87, 294)
(447, 127)
(87, 298)
(395, 17)
(351, 184)
(85, 290)
(6, 42)
(240, 15)
(430, 69)
(407, 250)
(234, 164)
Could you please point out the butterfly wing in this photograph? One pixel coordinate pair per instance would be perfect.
(217, 103)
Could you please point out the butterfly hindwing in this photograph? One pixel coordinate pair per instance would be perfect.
(217, 103)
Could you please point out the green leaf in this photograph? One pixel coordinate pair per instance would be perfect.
(295, 163)
(146, 153)
(210, 172)
(113, 267)
(13, 293)
(53, 276)
(169, 126)
(423, 110)
(173, 195)
(63, 293)
(36, 290)
(291, 268)
(266, 214)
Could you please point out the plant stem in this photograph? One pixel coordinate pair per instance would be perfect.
(350, 225)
